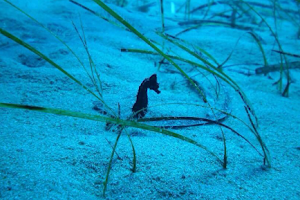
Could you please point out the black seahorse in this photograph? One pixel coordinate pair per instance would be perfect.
(140, 106)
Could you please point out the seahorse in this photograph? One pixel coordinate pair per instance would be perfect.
(140, 106)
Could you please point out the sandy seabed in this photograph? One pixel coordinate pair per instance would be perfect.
(46, 156)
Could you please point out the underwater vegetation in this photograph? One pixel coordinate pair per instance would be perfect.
(175, 55)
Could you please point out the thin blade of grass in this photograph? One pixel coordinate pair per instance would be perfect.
(110, 162)
(91, 76)
(199, 23)
(134, 154)
(162, 15)
(256, 38)
(92, 65)
(262, 144)
(208, 9)
(229, 56)
(288, 54)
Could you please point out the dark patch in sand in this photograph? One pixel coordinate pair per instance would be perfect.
(58, 54)
(12, 24)
(57, 28)
(31, 61)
